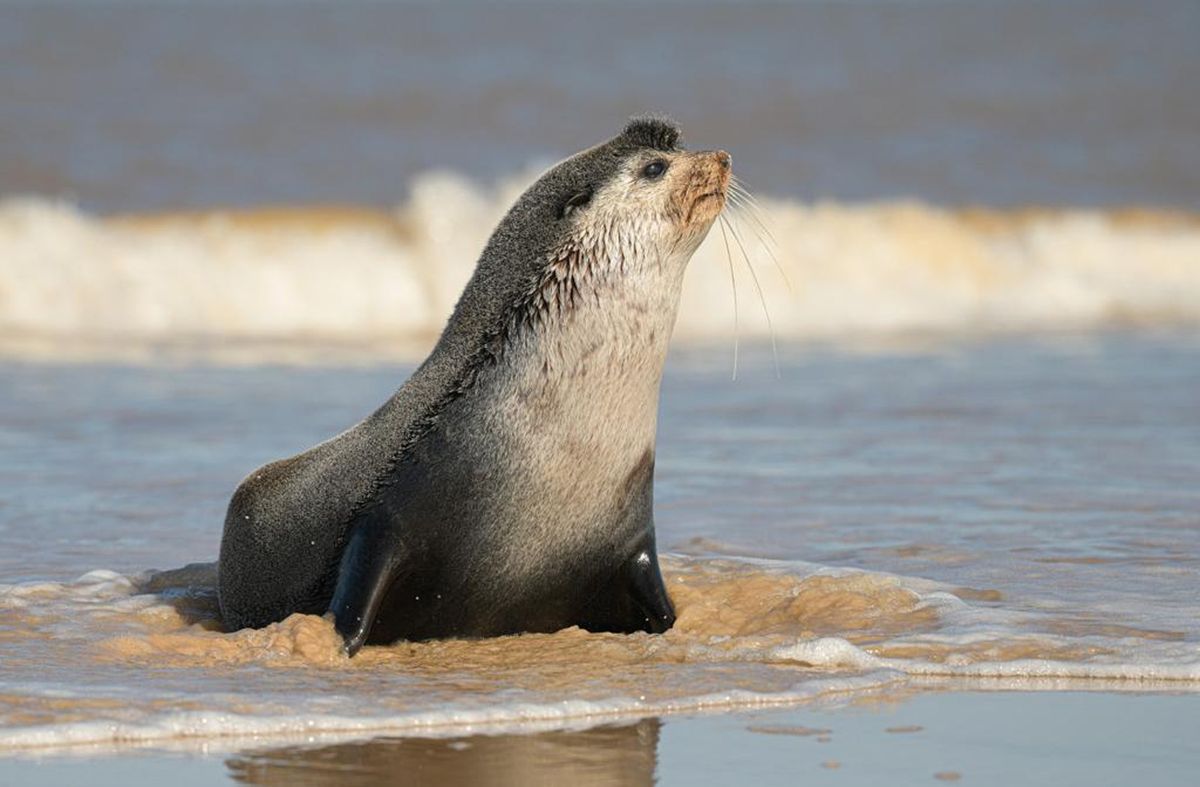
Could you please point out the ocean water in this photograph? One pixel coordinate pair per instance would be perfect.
(276, 283)
(991, 738)
(263, 182)
(229, 231)
(1018, 513)
(130, 106)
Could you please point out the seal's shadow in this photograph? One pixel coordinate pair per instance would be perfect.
(609, 755)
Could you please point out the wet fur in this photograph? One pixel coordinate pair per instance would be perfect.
(507, 486)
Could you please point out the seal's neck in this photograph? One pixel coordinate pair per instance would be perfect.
(580, 385)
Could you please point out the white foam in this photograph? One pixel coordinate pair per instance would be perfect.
(1160, 664)
(709, 672)
(500, 717)
(869, 268)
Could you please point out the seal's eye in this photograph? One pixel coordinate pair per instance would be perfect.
(654, 169)
(575, 203)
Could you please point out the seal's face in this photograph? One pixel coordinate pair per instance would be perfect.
(600, 240)
(655, 207)
(595, 252)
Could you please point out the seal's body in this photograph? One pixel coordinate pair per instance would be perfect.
(508, 485)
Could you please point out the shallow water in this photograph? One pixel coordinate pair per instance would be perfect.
(1020, 511)
(977, 738)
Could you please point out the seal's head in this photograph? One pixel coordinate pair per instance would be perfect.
(642, 188)
(637, 200)
(597, 247)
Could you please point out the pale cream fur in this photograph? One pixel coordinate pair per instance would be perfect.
(579, 399)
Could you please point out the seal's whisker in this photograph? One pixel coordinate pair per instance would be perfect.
(745, 200)
(733, 287)
(740, 189)
(742, 209)
(740, 185)
(761, 230)
(741, 200)
(761, 297)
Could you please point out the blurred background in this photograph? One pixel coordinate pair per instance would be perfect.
(890, 117)
(136, 106)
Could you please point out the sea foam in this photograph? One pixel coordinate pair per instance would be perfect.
(70, 281)
(109, 659)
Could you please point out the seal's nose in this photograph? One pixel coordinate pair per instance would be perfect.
(724, 159)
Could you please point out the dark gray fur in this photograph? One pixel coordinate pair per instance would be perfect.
(378, 525)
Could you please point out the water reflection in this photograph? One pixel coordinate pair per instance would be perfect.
(609, 755)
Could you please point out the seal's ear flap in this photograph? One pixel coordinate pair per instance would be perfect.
(575, 203)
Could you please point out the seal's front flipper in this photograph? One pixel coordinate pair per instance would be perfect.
(370, 564)
(648, 593)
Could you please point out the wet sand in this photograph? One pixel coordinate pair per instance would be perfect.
(976, 738)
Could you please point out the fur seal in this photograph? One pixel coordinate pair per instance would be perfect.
(507, 486)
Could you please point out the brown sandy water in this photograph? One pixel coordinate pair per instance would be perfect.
(725, 610)
(747, 634)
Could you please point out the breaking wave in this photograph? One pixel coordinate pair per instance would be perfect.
(71, 282)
